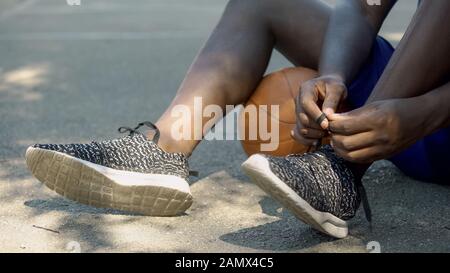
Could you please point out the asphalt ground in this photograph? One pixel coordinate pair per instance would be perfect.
(77, 73)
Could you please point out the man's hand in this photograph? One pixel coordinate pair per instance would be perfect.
(330, 90)
(378, 130)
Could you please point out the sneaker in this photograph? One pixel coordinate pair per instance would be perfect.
(131, 173)
(318, 188)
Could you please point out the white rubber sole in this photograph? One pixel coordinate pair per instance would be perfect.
(99, 186)
(258, 169)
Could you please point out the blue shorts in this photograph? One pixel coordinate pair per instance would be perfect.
(426, 160)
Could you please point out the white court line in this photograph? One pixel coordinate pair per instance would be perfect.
(17, 9)
(98, 8)
(96, 36)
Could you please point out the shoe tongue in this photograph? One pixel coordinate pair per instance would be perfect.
(152, 130)
(143, 137)
(151, 135)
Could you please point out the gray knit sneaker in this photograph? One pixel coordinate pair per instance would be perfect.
(317, 187)
(130, 173)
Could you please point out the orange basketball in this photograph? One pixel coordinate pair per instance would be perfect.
(279, 88)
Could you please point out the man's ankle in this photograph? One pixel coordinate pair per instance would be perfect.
(170, 145)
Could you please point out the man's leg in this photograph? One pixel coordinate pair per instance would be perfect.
(235, 57)
(134, 174)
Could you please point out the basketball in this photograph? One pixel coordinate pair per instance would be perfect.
(279, 88)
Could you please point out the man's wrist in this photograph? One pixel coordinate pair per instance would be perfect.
(336, 76)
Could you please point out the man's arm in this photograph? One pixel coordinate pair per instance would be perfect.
(421, 61)
(382, 129)
(350, 36)
(352, 29)
(410, 100)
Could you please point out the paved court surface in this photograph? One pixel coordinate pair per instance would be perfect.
(70, 74)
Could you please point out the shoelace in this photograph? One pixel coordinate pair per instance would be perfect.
(365, 201)
(134, 130)
(131, 131)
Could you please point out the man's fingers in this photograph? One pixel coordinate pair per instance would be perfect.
(348, 124)
(296, 135)
(306, 122)
(305, 134)
(334, 95)
(362, 156)
(353, 142)
(312, 133)
(346, 128)
(308, 104)
(321, 87)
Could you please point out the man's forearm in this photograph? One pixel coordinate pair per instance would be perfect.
(350, 37)
(421, 62)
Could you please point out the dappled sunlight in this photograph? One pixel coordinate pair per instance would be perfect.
(29, 76)
(21, 83)
(42, 221)
(235, 215)
(69, 206)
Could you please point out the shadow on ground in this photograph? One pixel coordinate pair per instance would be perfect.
(61, 204)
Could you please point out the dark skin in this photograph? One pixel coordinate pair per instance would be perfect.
(233, 61)
(381, 129)
(352, 29)
(336, 42)
(416, 78)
